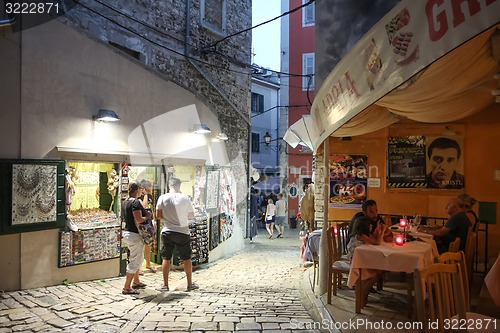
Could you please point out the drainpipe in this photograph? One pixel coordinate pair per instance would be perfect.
(187, 38)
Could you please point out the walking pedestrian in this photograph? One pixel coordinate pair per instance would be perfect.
(134, 214)
(270, 217)
(175, 210)
(281, 209)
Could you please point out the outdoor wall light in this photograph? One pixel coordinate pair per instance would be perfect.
(106, 115)
(200, 129)
(222, 136)
(267, 138)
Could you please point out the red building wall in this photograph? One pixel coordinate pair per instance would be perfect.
(301, 41)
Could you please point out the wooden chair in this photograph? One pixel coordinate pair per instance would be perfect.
(336, 267)
(439, 295)
(458, 258)
(341, 233)
(312, 245)
(454, 246)
(470, 247)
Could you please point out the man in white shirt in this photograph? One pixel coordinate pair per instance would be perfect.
(281, 209)
(175, 210)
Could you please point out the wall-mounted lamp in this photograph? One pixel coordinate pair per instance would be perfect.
(106, 115)
(267, 138)
(222, 137)
(200, 129)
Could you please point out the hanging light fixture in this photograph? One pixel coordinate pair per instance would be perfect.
(222, 136)
(267, 138)
(106, 115)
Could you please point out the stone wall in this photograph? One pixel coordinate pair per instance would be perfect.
(153, 34)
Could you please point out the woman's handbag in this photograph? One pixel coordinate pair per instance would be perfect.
(147, 231)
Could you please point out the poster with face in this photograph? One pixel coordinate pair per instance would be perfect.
(444, 167)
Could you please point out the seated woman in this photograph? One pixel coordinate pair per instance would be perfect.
(362, 234)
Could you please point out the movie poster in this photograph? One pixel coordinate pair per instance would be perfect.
(425, 162)
(348, 180)
(445, 162)
(406, 162)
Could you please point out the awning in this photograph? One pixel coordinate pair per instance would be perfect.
(302, 132)
(360, 95)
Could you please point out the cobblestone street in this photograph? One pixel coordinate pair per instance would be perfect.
(256, 290)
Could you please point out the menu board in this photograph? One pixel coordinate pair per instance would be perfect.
(348, 180)
(406, 161)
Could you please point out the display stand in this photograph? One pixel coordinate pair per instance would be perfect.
(198, 229)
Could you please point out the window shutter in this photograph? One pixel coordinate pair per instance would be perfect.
(261, 104)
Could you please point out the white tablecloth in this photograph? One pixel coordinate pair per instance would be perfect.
(390, 257)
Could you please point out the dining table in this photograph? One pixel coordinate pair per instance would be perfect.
(406, 258)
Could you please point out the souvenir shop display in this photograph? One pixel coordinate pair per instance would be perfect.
(84, 246)
(34, 192)
(91, 189)
(220, 204)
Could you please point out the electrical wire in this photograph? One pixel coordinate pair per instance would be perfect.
(279, 106)
(232, 60)
(213, 45)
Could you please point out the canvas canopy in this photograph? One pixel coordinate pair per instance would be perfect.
(423, 61)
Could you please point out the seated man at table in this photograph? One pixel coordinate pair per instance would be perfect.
(457, 226)
(369, 209)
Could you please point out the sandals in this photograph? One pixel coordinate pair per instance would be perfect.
(130, 291)
(139, 285)
(152, 269)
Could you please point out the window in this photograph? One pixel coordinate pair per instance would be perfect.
(255, 142)
(257, 103)
(213, 15)
(308, 69)
(307, 14)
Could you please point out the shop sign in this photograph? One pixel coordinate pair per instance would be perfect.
(410, 37)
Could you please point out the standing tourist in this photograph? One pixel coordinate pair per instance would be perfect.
(147, 203)
(134, 215)
(270, 217)
(175, 210)
(281, 209)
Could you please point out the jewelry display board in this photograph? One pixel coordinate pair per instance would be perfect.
(31, 195)
(85, 246)
(214, 232)
(226, 204)
(212, 189)
(219, 204)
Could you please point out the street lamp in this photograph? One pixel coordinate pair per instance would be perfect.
(267, 138)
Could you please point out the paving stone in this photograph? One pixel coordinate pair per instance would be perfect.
(226, 326)
(202, 326)
(248, 326)
(59, 323)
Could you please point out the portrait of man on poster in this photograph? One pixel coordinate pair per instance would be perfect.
(444, 164)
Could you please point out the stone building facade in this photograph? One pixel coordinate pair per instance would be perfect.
(178, 40)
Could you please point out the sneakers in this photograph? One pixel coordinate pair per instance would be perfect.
(193, 286)
(162, 288)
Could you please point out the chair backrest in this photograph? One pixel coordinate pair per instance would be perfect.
(458, 258)
(455, 245)
(442, 286)
(341, 235)
(333, 249)
(470, 248)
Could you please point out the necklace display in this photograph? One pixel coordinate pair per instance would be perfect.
(34, 194)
